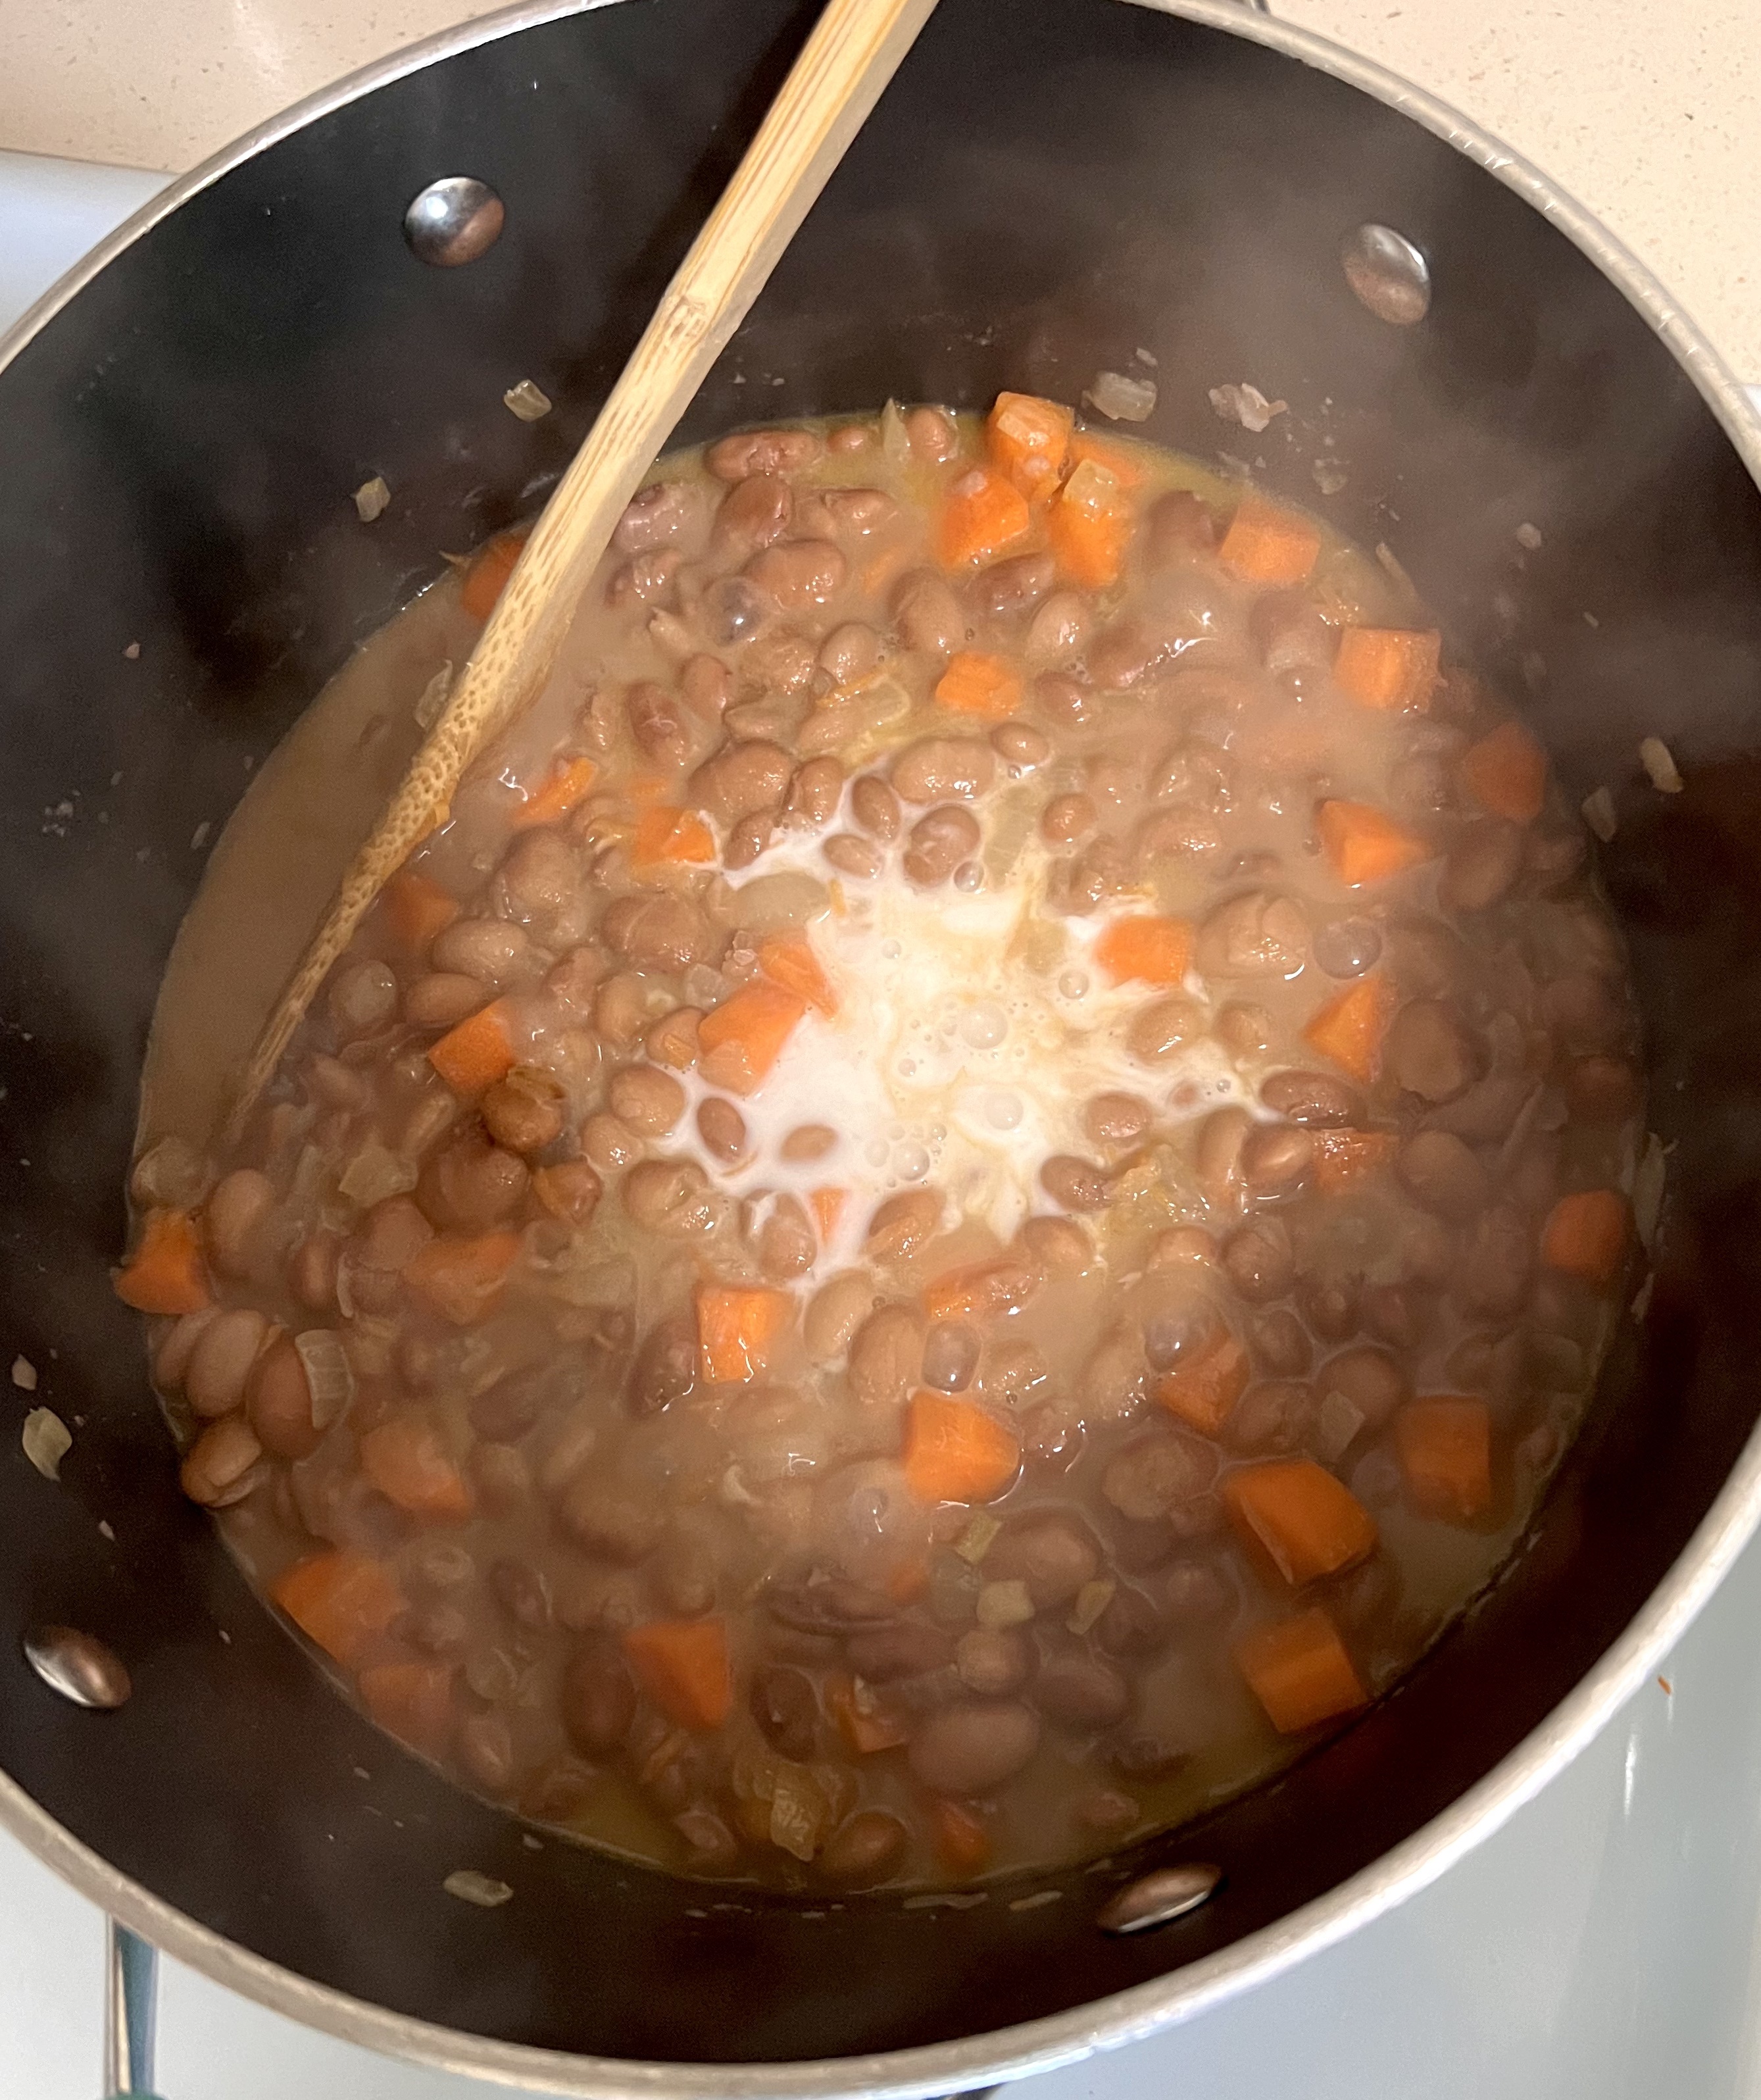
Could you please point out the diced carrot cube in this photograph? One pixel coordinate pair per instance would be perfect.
(1268, 545)
(341, 1601)
(1364, 845)
(1349, 1029)
(683, 1666)
(1506, 773)
(1308, 1523)
(561, 790)
(1444, 1443)
(1391, 668)
(956, 1453)
(1028, 438)
(1585, 1236)
(827, 1207)
(463, 1279)
(411, 1700)
(665, 835)
(418, 908)
(486, 577)
(166, 1273)
(1145, 948)
(739, 1041)
(962, 1843)
(471, 1057)
(982, 1289)
(1345, 1158)
(983, 514)
(790, 962)
(976, 684)
(738, 1327)
(1204, 1391)
(406, 1461)
(1090, 526)
(1298, 1671)
(1125, 470)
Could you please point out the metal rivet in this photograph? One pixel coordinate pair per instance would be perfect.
(1155, 1898)
(1388, 273)
(79, 1666)
(453, 221)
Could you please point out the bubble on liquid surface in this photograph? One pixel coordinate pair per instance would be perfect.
(1074, 984)
(1002, 1109)
(912, 1162)
(983, 1027)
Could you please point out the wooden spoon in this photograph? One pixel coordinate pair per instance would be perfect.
(854, 51)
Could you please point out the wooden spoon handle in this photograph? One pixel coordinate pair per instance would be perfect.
(854, 51)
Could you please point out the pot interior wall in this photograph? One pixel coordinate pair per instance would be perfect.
(1050, 185)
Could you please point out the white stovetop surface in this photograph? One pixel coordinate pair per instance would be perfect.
(1603, 1946)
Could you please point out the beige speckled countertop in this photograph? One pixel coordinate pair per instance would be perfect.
(1649, 112)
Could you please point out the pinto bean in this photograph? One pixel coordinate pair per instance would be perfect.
(1331, 1304)
(853, 856)
(1020, 747)
(1275, 1416)
(659, 515)
(721, 1128)
(1178, 529)
(942, 769)
(666, 1370)
(734, 612)
(1313, 1099)
(238, 1204)
(1057, 1246)
(279, 1403)
(389, 1237)
(1260, 934)
(1395, 1313)
(1480, 867)
(616, 1523)
(835, 1311)
(569, 1190)
(1443, 1174)
(672, 1040)
(1053, 1553)
(1065, 701)
(525, 1111)
(1081, 1691)
(931, 435)
(1180, 1322)
(1058, 631)
(658, 933)
(1117, 1118)
(224, 1464)
(222, 1359)
(649, 1101)
(1077, 1184)
(973, 1746)
(493, 951)
(598, 1697)
(1496, 1264)
(1217, 1156)
(1277, 1162)
(472, 1185)
(813, 795)
(363, 996)
(902, 1224)
(1428, 1051)
(864, 1850)
(670, 1197)
(1009, 588)
(1164, 1027)
(847, 514)
(993, 1661)
(1155, 1474)
(312, 1272)
(1280, 1347)
(782, 451)
(1258, 1261)
(1068, 817)
(609, 1142)
(849, 653)
(785, 1242)
(741, 780)
(442, 999)
(950, 1356)
(643, 580)
(928, 615)
(1583, 1013)
(906, 1648)
(886, 1356)
(874, 807)
(799, 574)
(753, 513)
(1369, 1380)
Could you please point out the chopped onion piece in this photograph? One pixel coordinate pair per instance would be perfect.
(1599, 813)
(1529, 536)
(1655, 755)
(529, 403)
(47, 1440)
(171, 1172)
(1004, 1605)
(895, 441)
(1247, 405)
(374, 1173)
(1648, 1190)
(433, 696)
(976, 1541)
(1340, 1422)
(1091, 1600)
(799, 1812)
(471, 1887)
(328, 1373)
(1329, 477)
(23, 1375)
(1124, 400)
(1641, 1304)
(372, 498)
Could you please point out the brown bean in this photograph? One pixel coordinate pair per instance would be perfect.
(993, 1661)
(938, 844)
(505, 1411)
(1179, 528)
(389, 1237)
(312, 1272)
(1331, 1304)
(279, 1403)
(525, 1111)
(799, 576)
(742, 779)
(906, 1648)
(1132, 1624)
(1188, 1247)
(1260, 934)
(598, 1697)
(1314, 1099)
(569, 1190)
(1067, 817)
(784, 451)
(670, 1197)
(672, 1040)
(813, 795)
(973, 1746)
(609, 1142)
(721, 1128)
(240, 1203)
(1244, 1030)
(643, 580)
(853, 856)
(442, 999)
(928, 615)
(1127, 653)
(1053, 1553)
(1277, 1162)
(886, 1356)
(1065, 701)
(1155, 1474)
(874, 807)
(753, 513)
(1164, 1027)
(362, 996)
(685, 1575)
(1057, 1246)
(222, 1359)
(749, 839)
(1496, 1264)
(664, 512)
(784, 1241)
(666, 1367)
(1276, 1416)
(837, 1605)
(1395, 1314)
(1603, 1090)
(1077, 1184)
(950, 1356)
(868, 1849)
(931, 435)
(1180, 1322)
(1057, 631)
(494, 951)
(1258, 1260)
(846, 514)
(835, 1311)
(1370, 1381)
(849, 653)
(472, 1185)
(1009, 588)
(615, 1522)
(658, 933)
(1428, 1051)
(942, 769)
(649, 1101)
(1217, 1156)
(706, 686)
(522, 1592)
(1485, 860)
(540, 885)
(1583, 1012)
(902, 1224)
(1081, 1691)
(224, 1464)
(1443, 1174)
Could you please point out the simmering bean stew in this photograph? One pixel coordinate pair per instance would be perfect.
(969, 1195)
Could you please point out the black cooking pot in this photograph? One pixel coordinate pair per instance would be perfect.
(1049, 187)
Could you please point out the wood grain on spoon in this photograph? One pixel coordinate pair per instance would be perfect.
(854, 51)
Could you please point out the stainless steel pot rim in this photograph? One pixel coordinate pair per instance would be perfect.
(1169, 2001)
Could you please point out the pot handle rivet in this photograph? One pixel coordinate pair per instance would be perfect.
(79, 1666)
(1389, 275)
(453, 220)
(1159, 1897)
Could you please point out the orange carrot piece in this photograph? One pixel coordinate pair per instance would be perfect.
(1300, 1672)
(739, 1041)
(486, 577)
(976, 684)
(1145, 948)
(561, 790)
(868, 1726)
(793, 963)
(1344, 1158)
(1444, 1443)
(1391, 667)
(463, 1279)
(683, 1664)
(471, 1057)
(166, 1273)
(1585, 1236)
(955, 1452)
(1364, 845)
(342, 1601)
(1085, 445)
(962, 1843)
(1268, 545)
(1028, 438)
(982, 1289)
(827, 1207)
(665, 834)
(1349, 1028)
(983, 514)
(1309, 1524)
(1204, 1391)
(418, 908)
(1506, 773)
(406, 1461)
(738, 1325)
(411, 1700)
(1090, 528)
